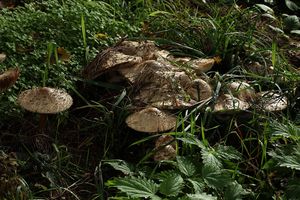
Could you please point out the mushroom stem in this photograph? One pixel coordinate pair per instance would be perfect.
(42, 122)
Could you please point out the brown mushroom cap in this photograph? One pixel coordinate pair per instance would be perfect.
(271, 101)
(8, 78)
(242, 90)
(200, 90)
(229, 103)
(151, 120)
(2, 57)
(202, 64)
(45, 100)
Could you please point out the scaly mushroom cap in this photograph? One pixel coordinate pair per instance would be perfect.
(199, 90)
(151, 120)
(271, 101)
(242, 90)
(45, 100)
(228, 103)
(8, 78)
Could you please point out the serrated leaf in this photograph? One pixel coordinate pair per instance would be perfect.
(202, 196)
(172, 185)
(291, 22)
(214, 178)
(120, 165)
(135, 187)
(192, 140)
(198, 185)
(288, 156)
(165, 174)
(228, 153)
(234, 191)
(209, 158)
(186, 166)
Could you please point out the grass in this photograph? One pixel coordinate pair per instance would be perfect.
(253, 155)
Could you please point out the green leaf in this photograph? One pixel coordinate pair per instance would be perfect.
(297, 32)
(172, 185)
(186, 166)
(120, 165)
(265, 8)
(291, 22)
(135, 187)
(228, 153)
(214, 178)
(234, 191)
(288, 156)
(291, 5)
(293, 189)
(192, 140)
(209, 158)
(198, 185)
(202, 196)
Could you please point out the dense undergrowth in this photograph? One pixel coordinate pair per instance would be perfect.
(94, 155)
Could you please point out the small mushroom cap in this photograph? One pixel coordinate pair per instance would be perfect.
(271, 101)
(2, 57)
(200, 90)
(242, 91)
(229, 103)
(202, 64)
(151, 120)
(8, 78)
(45, 100)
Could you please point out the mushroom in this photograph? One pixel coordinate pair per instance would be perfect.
(271, 102)
(242, 90)
(2, 57)
(228, 103)
(8, 78)
(202, 64)
(165, 148)
(151, 120)
(199, 90)
(45, 100)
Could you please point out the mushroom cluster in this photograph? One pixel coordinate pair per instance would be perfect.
(161, 83)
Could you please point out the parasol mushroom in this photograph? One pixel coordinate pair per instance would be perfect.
(242, 90)
(151, 120)
(166, 148)
(230, 104)
(2, 57)
(45, 100)
(271, 102)
(8, 78)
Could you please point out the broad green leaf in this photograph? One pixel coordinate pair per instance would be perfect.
(135, 187)
(210, 159)
(120, 165)
(202, 196)
(291, 5)
(228, 153)
(186, 166)
(165, 174)
(291, 22)
(192, 140)
(215, 178)
(198, 185)
(172, 185)
(288, 156)
(234, 191)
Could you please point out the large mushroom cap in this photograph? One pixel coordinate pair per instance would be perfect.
(227, 103)
(271, 102)
(151, 120)
(242, 91)
(8, 78)
(45, 100)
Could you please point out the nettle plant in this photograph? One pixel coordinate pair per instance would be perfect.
(203, 175)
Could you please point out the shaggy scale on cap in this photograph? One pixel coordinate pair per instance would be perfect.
(45, 100)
